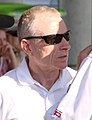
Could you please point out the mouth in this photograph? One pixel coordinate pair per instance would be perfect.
(64, 56)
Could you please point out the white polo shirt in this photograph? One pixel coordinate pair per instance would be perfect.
(22, 98)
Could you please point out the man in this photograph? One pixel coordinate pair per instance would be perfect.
(34, 90)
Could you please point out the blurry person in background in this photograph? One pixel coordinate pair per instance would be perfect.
(8, 59)
(12, 38)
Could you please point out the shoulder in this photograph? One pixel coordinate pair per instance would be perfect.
(8, 80)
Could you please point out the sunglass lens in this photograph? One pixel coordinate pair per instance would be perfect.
(50, 39)
(67, 35)
(55, 39)
(58, 39)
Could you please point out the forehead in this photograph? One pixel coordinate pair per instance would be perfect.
(49, 23)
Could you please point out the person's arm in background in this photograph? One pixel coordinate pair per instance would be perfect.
(83, 54)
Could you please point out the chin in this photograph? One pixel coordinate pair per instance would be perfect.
(63, 66)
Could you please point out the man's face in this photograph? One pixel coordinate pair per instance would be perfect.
(45, 55)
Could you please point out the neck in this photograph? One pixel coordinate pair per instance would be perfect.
(46, 76)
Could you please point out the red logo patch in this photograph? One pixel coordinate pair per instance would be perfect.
(57, 113)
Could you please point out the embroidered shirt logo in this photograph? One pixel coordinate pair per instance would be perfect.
(57, 113)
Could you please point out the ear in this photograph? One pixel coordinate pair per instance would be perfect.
(25, 46)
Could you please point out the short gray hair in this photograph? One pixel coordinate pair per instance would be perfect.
(27, 19)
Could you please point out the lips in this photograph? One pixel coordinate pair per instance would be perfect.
(64, 56)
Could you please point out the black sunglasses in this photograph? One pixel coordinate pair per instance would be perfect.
(52, 39)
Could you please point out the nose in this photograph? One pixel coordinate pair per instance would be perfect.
(64, 45)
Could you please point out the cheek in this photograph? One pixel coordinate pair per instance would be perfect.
(48, 56)
(46, 51)
(44, 54)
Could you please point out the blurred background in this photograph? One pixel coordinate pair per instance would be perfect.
(76, 13)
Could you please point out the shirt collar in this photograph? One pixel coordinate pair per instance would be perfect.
(65, 79)
(23, 74)
(25, 78)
